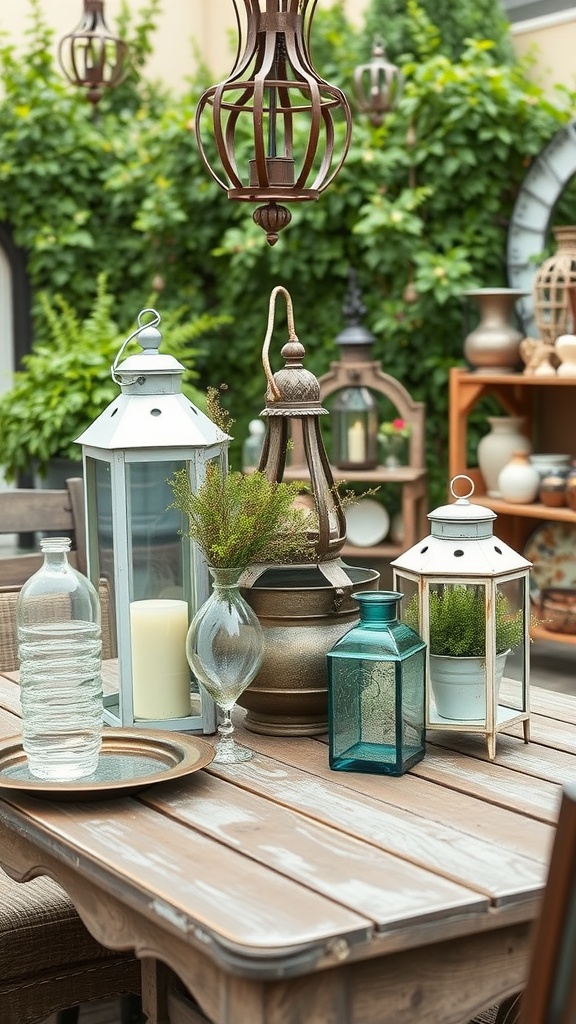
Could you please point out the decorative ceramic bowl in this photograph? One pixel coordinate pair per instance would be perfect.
(546, 462)
(558, 609)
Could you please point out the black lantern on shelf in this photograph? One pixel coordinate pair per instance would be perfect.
(354, 413)
(274, 98)
(91, 56)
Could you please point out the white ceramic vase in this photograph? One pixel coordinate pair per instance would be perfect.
(519, 480)
(497, 447)
(565, 347)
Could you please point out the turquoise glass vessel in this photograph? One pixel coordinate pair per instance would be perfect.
(376, 691)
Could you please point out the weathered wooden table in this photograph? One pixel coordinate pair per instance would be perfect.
(280, 892)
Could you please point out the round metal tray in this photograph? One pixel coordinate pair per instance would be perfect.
(130, 760)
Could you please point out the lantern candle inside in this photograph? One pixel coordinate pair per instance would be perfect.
(160, 673)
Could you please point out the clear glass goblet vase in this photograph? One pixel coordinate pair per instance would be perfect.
(224, 647)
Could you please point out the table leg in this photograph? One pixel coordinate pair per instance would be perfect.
(155, 978)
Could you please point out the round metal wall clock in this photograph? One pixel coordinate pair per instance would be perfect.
(547, 178)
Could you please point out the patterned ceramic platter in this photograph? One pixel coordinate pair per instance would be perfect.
(552, 551)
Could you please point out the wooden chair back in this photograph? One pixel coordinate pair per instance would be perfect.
(550, 993)
(26, 510)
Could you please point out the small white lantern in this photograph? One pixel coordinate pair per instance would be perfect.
(155, 576)
(467, 594)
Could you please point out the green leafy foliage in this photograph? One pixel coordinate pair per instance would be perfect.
(458, 622)
(420, 208)
(238, 520)
(66, 381)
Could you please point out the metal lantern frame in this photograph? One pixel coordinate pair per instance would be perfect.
(462, 550)
(91, 56)
(285, 107)
(378, 84)
(150, 426)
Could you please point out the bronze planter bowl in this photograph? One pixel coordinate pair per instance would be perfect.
(302, 615)
(558, 609)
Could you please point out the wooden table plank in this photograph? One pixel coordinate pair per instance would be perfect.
(534, 760)
(464, 858)
(165, 865)
(553, 704)
(367, 880)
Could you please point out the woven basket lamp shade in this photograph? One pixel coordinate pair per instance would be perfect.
(552, 310)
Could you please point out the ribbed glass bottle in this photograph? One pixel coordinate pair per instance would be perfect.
(376, 691)
(60, 650)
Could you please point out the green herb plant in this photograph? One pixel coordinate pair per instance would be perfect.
(240, 519)
(458, 622)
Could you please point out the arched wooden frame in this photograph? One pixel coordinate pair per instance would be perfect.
(370, 375)
(547, 178)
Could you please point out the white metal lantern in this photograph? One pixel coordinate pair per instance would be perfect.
(467, 594)
(154, 575)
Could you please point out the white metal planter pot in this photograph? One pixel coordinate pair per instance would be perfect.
(459, 686)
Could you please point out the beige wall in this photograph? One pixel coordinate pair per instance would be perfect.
(551, 41)
(209, 25)
(182, 22)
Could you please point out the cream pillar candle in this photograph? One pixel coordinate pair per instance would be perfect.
(356, 443)
(160, 672)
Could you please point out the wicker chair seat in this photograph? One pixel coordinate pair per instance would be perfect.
(48, 959)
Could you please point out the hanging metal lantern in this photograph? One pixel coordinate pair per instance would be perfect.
(467, 594)
(377, 85)
(137, 545)
(272, 107)
(91, 56)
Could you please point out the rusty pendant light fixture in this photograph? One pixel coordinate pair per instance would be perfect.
(91, 56)
(377, 85)
(273, 119)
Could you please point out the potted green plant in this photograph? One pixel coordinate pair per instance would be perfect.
(457, 631)
(393, 437)
(66, 383)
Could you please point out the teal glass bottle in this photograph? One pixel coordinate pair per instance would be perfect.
(376, 716)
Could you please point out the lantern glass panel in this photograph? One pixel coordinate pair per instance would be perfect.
(512, 634)
(354, 418)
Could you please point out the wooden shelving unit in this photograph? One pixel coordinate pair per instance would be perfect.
(547, 403)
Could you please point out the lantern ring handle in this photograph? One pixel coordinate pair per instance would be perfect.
(461, 476)
(274, 391)
(156, 318)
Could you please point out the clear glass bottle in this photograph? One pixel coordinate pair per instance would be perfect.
(376, 677)
(60, 650)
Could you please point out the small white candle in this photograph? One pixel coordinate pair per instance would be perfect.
(356, 443)
(160, 672)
